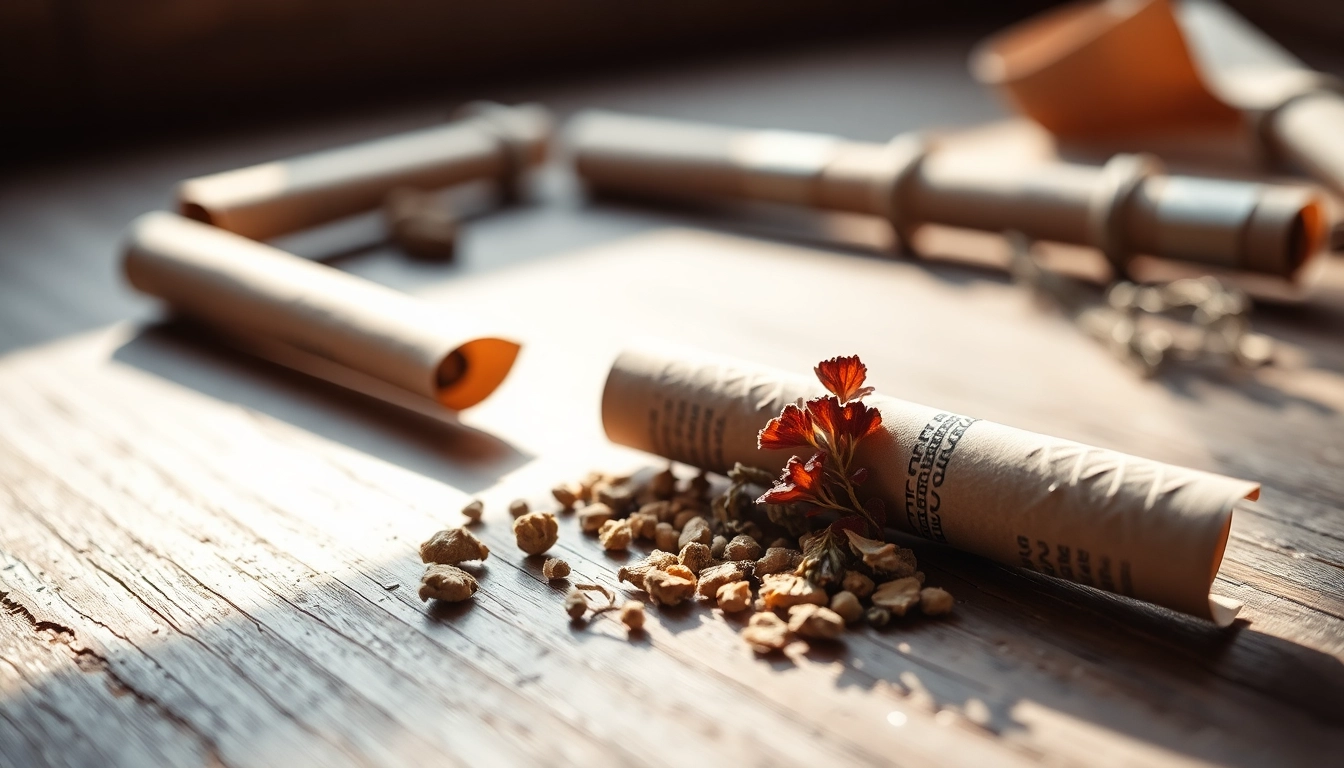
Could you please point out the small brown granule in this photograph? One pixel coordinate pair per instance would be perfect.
(778, 560)
(883, 557)
(668, 589)
(781, 542)
(566, 494)
(684, 517)
(453, 546)
(783, 590)
(554, 568)
(742, 548)
(643, 525)
(717, 546)
(615, 535)
(618, 497)
(585, 490)
(636, 572)
(447, 582)
(716, 576)
(662, 510)
(766, 632)
(474, 509)
(632, 615)
(593, 516)
(665, 536)
(858, 583)
(695, 556)
(877, 617)
(677, 569)
(815, 621)
(935, 601)
(664, 484)
(734, 596)
(536, 532)
(518, 507)
(696, 529)
(576, 604)
(847, 605)
(897, 596)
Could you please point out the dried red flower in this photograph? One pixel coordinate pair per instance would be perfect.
(843, 425)
(844, 377)
(792, 428)
(800, 481)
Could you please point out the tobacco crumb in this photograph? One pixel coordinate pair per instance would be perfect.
(615, 535)
(683, 517)
(766, 632)
(877, 617)
(717, 546)
(716, 576)
(566, 494)
(518, 507)
(536, 532)
(897, 596)
(636, 572)
(665, 536)
(667, 588)
(643, 525)
(632, 615)
(858, 583)
(696, 529)
(474, 509)
(554, 568)
(618, 497)
(593, 516)
(935, 601)
(883, 557)
(742, 548)
(447, 582)
(664, 484)
(585, 490)
(783, 590)
(778, 560)
(816, 622)
(847, 605)
(734, 596)
(576, 604)
(453, 546)
(695, 556)
(662, 510)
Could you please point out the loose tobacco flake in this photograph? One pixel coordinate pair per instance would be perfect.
(554, 568)
(742, 548)
(632, 615)
(669, 589)
(446, 582)
(897, 596)
(882, 556)
(935, 601)
(714, 577)
(734, 596)
(815, 621)
(576, 604)
(847, 605)
(783, 590)
(696, 529)
(536, 532)
(615, 535)
(778, 560)
(453, 546)
(695, 556)
(593, 516)
(666, 537)
(766, 632)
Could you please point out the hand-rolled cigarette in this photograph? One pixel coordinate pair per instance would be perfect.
(489, 142)
(1129, 525)
(1100, 70)
(1125, 208)
(266, 297)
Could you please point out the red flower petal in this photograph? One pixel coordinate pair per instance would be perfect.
(828, 416)
(799, 482)
(844, 377)
(860, 420)
(792, 428)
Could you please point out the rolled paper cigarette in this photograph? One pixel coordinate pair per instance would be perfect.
(1124, 208)
(1132, 526)
(261, 294)
(1102, 70)
(263, 201)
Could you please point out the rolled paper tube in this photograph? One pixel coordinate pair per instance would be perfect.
(1098, 70)
(1124, 208)
(271, 199)
(259, 293)
(1140, 528)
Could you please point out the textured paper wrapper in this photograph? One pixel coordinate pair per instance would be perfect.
(314, 318)
(1128, 525)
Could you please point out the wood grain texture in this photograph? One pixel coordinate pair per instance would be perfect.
(186, 558)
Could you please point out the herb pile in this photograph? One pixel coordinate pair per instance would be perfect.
(826, 565)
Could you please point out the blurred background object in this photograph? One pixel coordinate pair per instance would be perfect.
(77, 71)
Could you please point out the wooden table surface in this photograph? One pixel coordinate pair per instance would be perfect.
(208, 560)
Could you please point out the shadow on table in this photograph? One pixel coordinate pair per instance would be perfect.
(440, 448)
